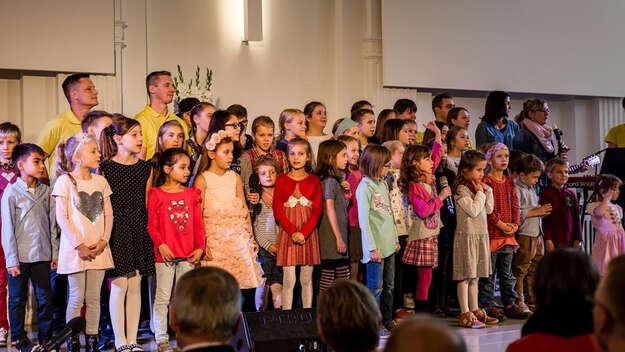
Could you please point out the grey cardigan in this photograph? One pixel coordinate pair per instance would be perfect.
(28, 224)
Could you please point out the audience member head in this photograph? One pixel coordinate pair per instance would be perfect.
(241, 113)
(366, 122)
(184, 110)
(174, 166)
(406, 109)
(95, 121)
(316, 117)
(383, 116)
(457, 139)
(441, 105)
(609, 308)
(80, 90)
(497, 106)
(200, 116)
(535, 110)
(123, 133)
(28, 160)
(527, 168)
(397, 130)
(77, 151)
(263, 129)
(425, 333)
(460, 117)
(361, 104)
(160, 87)
(205, 307)
(292, 124)
(345, 127)
(557, 170)
(348, 318)
(331, 160)
(375, 162)
(10, 136)
(353, 151)
(170, 135)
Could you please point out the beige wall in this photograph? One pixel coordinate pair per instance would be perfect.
(326, 50)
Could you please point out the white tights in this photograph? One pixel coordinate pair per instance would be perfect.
(288, 282)
(467, 295)
(125, 306)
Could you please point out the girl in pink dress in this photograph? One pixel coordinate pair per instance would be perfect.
(230, 243)
(606, 219)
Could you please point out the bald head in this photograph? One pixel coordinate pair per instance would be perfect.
(425, 333)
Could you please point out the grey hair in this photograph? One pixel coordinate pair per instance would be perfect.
(207, 303)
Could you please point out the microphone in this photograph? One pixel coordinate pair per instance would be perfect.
(444, 183)
(73, 327)
(255, 187)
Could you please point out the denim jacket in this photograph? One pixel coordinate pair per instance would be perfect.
(27, 222)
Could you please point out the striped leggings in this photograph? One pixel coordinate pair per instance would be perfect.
(332, 270)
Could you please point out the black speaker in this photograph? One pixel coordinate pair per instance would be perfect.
(278, 330)
(614, 163)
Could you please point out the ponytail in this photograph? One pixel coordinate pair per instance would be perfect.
(119, 127)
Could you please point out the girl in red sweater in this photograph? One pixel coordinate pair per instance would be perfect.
(176, 228)
(503, 223)
(297, 207)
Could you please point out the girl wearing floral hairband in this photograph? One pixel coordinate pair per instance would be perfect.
(297, 207)
(230, 242)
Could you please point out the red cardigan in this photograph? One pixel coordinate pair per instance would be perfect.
(310, 187)
(539, 342)
(506, 205)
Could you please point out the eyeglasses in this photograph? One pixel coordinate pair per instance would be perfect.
(235, 125)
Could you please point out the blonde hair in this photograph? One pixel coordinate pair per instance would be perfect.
(67, 150)
(529, 105)
(287, 116)
(393, 145)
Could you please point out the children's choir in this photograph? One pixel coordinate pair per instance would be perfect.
(435, 222)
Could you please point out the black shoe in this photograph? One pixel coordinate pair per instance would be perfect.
(92, 343)
(73, 344)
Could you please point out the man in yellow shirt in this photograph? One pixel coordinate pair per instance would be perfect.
(161, 90)
(616, 135)
(82, 96)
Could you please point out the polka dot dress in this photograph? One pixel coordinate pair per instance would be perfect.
(130, 242)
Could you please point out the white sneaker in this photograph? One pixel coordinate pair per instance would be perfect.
(3, 337)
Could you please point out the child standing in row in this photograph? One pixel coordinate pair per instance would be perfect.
(30, 250)
(176, 228)
(562, 228)
(332, 159)
(230, 242)
(503, 222)
(379, 235)
(133, 251)
(10, 136)
(353, 178)
(85, 216)
(606, 219)
(529, 236)
(266, 234)
(292, 124)
(297, 207)
(417, 182)
(472, 260)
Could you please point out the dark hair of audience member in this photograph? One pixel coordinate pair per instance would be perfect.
(348, 318)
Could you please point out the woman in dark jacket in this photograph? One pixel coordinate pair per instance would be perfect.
(535, 136)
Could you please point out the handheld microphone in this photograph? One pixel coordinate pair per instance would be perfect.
(255, 187)
(73, 327)
(450, 206)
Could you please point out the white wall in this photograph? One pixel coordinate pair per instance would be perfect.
(327, 50)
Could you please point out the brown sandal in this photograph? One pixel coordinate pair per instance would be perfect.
(468, 320)
(481, 315)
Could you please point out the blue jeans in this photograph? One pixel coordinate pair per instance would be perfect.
(39, 274)
(502, 264)
(380, 279)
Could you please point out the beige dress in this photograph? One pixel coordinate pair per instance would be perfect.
(471, 244)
